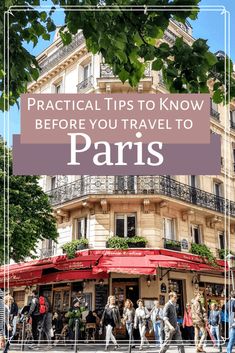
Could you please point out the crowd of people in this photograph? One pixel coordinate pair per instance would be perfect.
(197, 324)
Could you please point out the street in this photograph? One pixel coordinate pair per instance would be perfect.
(99, 348)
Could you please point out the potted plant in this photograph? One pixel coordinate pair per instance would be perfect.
(136, 242)
(172, 245)
(116, 243)
(125, 243)
(71, 247)
(203, 251)
(223, 253)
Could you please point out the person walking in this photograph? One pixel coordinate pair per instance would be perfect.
(214, 323)
(128, 318)
(171, 327)
(199, 318)
(230, 306)
(110, 319)
(2, 324)
(188, 324)
(13, 315)
(156, 315)
(224, 322)
(141, 316)
(35, 315)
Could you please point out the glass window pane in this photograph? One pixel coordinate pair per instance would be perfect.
(119, 226)
(131, 226)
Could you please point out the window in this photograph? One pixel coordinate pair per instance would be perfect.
(221, 240)
(125, 183)
(196, 233)
(232, 118)
(125, 225)
(57, 86)
(218, 189)
(81, 228)
(53, 183)
(214, 110)
(234, 160)
(86, 71)
(169, 228)
(193, 181)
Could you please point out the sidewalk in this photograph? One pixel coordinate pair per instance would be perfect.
(99, 348)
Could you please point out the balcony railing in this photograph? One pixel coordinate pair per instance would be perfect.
(215, 114)
(85, 84)
(160, 185)
(169, 36)
(61, 53)
(107, 72)
(45, 252)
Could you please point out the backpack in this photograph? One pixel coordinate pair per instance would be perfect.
(43, 305)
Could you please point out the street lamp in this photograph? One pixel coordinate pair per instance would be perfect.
(231, 265)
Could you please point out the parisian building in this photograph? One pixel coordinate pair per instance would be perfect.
(171, 213)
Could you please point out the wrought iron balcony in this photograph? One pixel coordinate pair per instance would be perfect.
(215, 114)
(46, 252)
(61, 53)
(169, 36)
(159, 185)
(85, 84)
(107, 72)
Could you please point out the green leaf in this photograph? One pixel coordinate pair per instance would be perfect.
(35, 73)
(46, 36)
(218, 96)
(123, 75)
(66, 37)
(43, 16)
(157, 65)
(211, 58)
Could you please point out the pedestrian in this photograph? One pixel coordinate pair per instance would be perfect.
(156, 315)
(34, 314)
(13, 315)
(141, 321)
(230, 306)
(199, 318)
(74, 315)
(2, 324)
(8, 328)
(128, 318)
(214, 323)
(224, 322)
(188, 324)
(111, 319)
(171, 327)
(46, 325)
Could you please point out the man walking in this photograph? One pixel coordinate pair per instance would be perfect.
(171, 328)
(199, 318)
(231, 311)
(34, 313)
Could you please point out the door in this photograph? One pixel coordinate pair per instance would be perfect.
(122, 291)
(61, 299)
(177, 285)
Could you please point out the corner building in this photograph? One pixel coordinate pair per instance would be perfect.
(171, 212)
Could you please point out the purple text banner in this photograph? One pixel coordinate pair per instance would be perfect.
(52, 159)
(169, 118)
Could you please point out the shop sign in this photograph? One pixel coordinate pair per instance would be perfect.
(184, 244)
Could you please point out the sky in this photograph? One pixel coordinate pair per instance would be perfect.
(209, 25)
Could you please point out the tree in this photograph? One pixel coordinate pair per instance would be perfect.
(126, 39)
(30, 214)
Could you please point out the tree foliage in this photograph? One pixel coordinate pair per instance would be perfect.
(30, 214)
(126, 39)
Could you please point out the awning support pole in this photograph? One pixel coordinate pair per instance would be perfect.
(163, 275)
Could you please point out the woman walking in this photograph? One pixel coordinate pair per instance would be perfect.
(188, 324)
(141, 316)
(156, 315)
(110, 319)
(128, 318)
